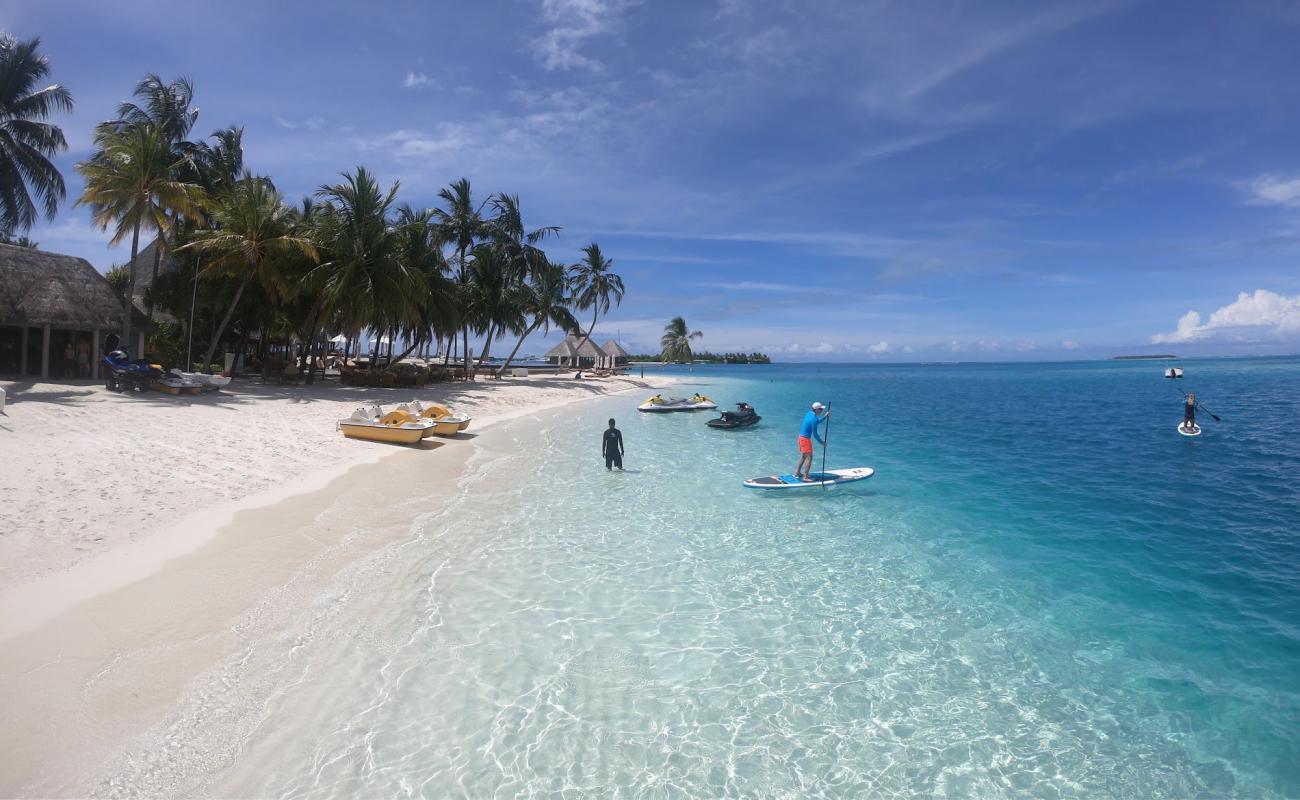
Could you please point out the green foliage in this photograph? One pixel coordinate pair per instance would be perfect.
(30, 185)
(676, 341)
(118, 277)
(168, 344)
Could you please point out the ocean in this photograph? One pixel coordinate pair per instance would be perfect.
(1044, 591)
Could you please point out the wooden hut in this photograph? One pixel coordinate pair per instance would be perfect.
(567, 353)
(55, 313)
(615, 355)
(144, 274)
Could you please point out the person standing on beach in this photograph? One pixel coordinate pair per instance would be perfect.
(807, 432)
(612, 446)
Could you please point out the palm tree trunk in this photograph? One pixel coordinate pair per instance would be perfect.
(590, 330)
(216, 337)
(518, 345)
(157, 258)
(130, 290)
(487, 347)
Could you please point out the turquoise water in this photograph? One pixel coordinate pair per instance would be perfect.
(1044, 591)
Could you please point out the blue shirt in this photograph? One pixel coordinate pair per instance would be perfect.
(811, 422)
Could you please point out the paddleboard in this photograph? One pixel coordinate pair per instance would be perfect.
(829, 478)
(1195, 431)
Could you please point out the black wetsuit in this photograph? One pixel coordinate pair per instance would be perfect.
(1189, 415)
(612, 448)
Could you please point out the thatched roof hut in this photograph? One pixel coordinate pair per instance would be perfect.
(47, 301)
(144, 274)
(617, 355)
(567, 353)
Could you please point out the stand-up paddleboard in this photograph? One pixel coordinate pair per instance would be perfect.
(829, 478)
(1195, 431)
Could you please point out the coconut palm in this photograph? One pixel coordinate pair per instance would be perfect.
(461, 225)
(546, 300)
(26, 142)
(131, 184)
(254, 231)
(165, 106)
(365, 282)
(676, 341)
(495, 299)
(436, 314)
(221, 163)
(594, 286)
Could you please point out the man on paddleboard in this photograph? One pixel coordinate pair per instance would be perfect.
(808, 431)
(1189, 412)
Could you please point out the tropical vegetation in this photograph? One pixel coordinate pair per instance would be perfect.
(30, 185)
(676, 341)
(249, 267)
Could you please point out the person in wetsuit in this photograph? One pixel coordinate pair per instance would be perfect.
(807, 432)
(1189, 412)
(612, 446)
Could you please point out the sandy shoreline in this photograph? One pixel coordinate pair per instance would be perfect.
(262, 503)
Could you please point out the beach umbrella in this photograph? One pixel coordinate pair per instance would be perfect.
(340, 339)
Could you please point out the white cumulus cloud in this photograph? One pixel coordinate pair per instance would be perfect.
(1070, 344)
(879, 348)
(415, 80)
(823, 347)
(1275, 190)
(1262, 314)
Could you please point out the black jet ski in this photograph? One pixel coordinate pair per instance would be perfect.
(743, 417)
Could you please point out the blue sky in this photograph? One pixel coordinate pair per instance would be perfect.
(823, 180)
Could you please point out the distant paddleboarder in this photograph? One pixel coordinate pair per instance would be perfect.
(612, 446)
(808, 431)
(1189, 412)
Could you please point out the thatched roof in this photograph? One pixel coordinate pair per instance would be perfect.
(144, 274)
(569, 348)
(40, 288)
(615, 350)
(564, 349)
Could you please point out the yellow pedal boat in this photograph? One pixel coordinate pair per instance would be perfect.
(440, 414)
(394, 427)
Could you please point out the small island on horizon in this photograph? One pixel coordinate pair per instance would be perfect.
(1140, 358)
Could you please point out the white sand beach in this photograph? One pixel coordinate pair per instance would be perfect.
(100, 490)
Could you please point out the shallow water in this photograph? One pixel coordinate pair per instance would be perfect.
(1044, 591)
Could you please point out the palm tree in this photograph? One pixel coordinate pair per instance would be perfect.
(460, 224)
(131, 183)
(365, 282)
(594, 286)
(166, 106)
(27, 143)
(495, 299)
(435, 314)
(546, 299)
(253, 233)
(676, 341)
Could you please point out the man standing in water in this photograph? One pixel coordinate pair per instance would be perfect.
(807, 432)
(612, 446)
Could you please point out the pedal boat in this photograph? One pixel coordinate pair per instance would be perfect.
(442, 415)
(394, 427)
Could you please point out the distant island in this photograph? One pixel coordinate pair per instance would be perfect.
(711, 358)
(1140, 358)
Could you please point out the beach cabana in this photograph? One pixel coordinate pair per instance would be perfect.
(53, 310)
(568, 354)
(144, 266)
(615, 355)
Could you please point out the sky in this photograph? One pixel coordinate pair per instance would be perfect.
(821, 180)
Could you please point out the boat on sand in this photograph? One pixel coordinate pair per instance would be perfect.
(394, 427)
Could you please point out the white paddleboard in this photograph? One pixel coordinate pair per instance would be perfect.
(829, 478)
(1195, 431)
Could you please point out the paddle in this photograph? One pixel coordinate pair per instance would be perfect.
(826, 444)
(1214, 416)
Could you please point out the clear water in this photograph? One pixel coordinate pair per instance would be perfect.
(1045, 591)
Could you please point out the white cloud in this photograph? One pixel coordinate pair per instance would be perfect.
(822, 347)
(1275, 190)
(879, 348)
(450, 138)
(310, 123)
(1262, 314)
(416, 80)
(573, 22)
(1070, 344)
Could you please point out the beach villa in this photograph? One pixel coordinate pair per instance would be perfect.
(55, 313)
(567, 354)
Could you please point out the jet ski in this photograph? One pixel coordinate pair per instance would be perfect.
(122, 374)
(742, 417)
(658, 404)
